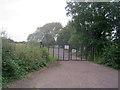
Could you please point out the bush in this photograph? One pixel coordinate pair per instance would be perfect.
(51, 59)
(20, 59)
(111, 55)
(10, 68)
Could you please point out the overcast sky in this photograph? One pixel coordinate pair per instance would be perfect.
(21, 17)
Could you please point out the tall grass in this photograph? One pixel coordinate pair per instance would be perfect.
(19, 59)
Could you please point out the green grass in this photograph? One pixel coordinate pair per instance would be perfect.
(21, 59)
(51, 59)
(99, 60)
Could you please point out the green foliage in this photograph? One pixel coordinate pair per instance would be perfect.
(94, 25)
(18, 59)
(111, 55)
(51, 59)
(99, 60)
(65, 34)
(49, 28)
(74, 40)
(95, 22)
(10, 68)
(48, 39)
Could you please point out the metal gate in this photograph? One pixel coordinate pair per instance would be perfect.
(66, 52)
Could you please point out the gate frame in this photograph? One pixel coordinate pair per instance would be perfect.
(70, 52)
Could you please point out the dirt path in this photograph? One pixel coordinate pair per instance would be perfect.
(71, 74)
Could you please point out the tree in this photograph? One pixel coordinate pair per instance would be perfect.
(95, 22)
(65, 34)
(48, 39)
(49, 28)
(98, 24)
(74, 40)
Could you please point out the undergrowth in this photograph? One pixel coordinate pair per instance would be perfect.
(19, 59)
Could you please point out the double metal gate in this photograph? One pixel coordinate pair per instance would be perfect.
(66, 52)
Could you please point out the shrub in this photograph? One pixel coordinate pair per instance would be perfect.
(20, 59)
(111, 55)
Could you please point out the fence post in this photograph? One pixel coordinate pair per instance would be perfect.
(76, 53)
(53, 51)
(63, 52)
(92, 52)
(86, 51)
(81, 52)
(48, 51)
(69, 53)
(58, 52)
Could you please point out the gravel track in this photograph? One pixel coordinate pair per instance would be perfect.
(71, 74)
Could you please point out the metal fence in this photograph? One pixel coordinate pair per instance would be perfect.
(66, 52)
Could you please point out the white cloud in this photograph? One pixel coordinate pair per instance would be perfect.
(22, 17)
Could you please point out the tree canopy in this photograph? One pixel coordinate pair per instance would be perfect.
(96, 23)
(49, 28)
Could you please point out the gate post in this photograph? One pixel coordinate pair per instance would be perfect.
(53, 51)
(76, 53)
(48, 48)
(86, 51)
(58, 52)
(63, 51)
(69, 53)
(81, 52)
(48, 51)
(92, 52)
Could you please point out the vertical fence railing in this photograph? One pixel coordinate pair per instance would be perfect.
(92, 53)
(71, 51)
(69, 54)
(63, 52)
(86, 55)
(58, 52)
(48, 52)
(76, 53)
(81, 52)
(84, 52)
(53, 51)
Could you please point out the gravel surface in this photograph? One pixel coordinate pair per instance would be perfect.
(71, 74)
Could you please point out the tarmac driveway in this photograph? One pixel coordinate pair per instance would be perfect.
(71, 74)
